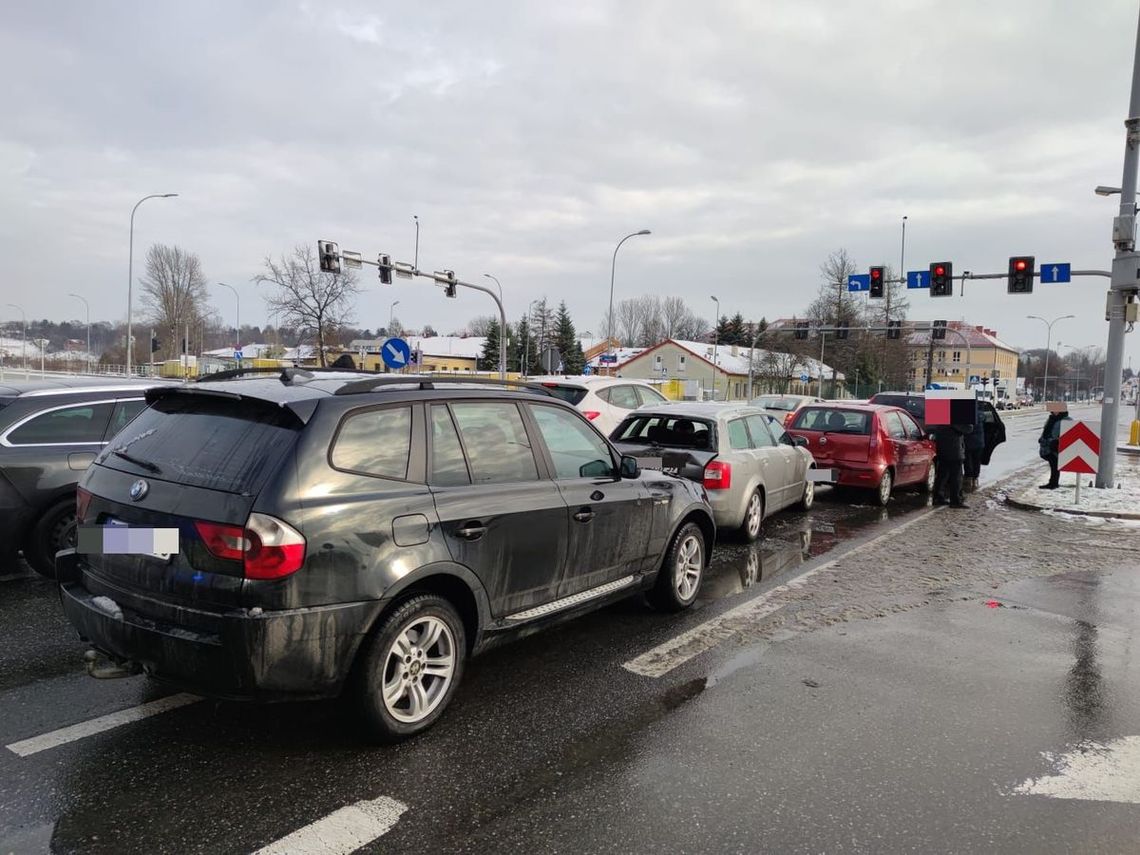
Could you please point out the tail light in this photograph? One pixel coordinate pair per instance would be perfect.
(82, 502)
(267, 547)
(873, 445)
(718, 475)
(591, 414)
(788, 419)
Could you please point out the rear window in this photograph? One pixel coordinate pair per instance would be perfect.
(570, 394)
(914, 405)
(216, 443)
(672, 431)
(833, 420)
(775, 402)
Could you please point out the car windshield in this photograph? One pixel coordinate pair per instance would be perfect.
(832, 420)
(668, 431)
(569, 394)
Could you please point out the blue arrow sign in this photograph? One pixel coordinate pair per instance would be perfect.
(396, 353)
(918, 279)
(1053, 273)
(237, 355)
(859, 282)
(803, 377)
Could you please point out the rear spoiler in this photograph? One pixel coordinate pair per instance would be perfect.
(302, 409)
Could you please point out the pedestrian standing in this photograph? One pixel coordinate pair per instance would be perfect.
(1047, 446)
(975, 442)
(949, 456)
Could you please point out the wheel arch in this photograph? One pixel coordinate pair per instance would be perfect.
(455, 583)
(705, 523)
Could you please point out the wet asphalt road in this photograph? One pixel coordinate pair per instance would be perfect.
(899, 734)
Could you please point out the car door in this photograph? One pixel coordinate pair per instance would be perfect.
(921, 448)
(502, 517)
(795, 460)
(778, 469)
(611, 518)
(902, 448)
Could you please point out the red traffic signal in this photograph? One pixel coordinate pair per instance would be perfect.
(939, 270)
(877, 280)
(941, 279)
(876, 273)
(1021, 268)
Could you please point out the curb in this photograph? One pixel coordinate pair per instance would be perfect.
(1108, 515)
(1132, 450)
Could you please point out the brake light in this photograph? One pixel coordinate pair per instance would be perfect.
(788, 418)
(718, 475)
(82, 502)
(591, 414)
(873, 444)
(267, 547)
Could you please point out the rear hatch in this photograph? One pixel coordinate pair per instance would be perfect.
(834, 434)
(196, 463)
(683, 445)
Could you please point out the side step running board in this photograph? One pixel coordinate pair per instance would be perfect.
(572, 600)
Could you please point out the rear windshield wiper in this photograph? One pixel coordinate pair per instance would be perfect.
(144, 464)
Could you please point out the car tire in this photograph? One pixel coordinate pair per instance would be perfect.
(927, 485)
(882, 493)
(54, 531)
(753, 517)
(396, 695)
(808, 498)
(682, 570)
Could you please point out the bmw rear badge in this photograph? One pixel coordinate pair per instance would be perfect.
(139, 489)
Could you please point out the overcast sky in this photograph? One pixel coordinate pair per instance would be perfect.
(751, 137)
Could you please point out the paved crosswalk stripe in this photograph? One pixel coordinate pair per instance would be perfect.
(677, 651)
(342, 831)
(1108, 772)
(84, 729)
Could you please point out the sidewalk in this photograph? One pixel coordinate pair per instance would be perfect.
(1122, 502)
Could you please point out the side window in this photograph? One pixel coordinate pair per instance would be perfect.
(122, 415)
(498, 450)
(375, 442)
(894, 426)
(913, 431)
(624, 397)
(777, 431)
(758, 427)
(649, 396)
(738, 434)
(81, 423)
(576, 450)
(448, 467)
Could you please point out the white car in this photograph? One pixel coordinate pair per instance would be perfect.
(605, 401)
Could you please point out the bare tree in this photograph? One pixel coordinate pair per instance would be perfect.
(304, 296)
(174, 293)
(480, 325)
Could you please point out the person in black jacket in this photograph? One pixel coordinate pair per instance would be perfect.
(1047, 447)
(949, 456)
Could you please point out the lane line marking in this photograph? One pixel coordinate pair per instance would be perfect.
(71, 733)
(342, 831)
(660, 660)
(1092, 771)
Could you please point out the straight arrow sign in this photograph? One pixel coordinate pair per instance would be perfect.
(1056, 272)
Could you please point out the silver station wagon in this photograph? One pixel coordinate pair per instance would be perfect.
(748, 464)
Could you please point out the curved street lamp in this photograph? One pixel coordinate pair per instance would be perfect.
(237, 317)
(613, 269)
(88, 307)
(1048, 345)
(130, 269)
(716, 343)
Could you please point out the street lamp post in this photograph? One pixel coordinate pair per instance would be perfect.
(613, 269)
(88, 307)
(237, 318)
(130, 269)
(23, 338)
(1048, 345)
(391, 315)
(716, 344)
(502, 332)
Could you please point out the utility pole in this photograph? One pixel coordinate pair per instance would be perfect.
(1124, 281)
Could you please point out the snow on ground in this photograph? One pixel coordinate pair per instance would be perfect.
(1124, 498)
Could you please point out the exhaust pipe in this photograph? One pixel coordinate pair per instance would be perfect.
(103, 668)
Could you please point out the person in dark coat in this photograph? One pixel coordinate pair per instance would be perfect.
(949, 456)
(975, 442)
(1047, 445)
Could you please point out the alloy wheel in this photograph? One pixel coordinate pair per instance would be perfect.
(418, 669)
(754, 515)
(690, 565)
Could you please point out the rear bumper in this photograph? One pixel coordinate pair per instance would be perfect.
(16, 519)
(294, 654)
(727, 508)
(847, 474)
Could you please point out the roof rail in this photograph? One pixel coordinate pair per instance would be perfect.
(286, 374)
(428, 382)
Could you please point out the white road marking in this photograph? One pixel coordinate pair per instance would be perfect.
(84, 729)
(342, 831)
(1108, 772)
(663, 658)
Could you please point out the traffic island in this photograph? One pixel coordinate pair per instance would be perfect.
(1119, 502)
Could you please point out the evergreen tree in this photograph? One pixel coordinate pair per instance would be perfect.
(566, 340)
(524, 347)
(489, 361)
(736, 330)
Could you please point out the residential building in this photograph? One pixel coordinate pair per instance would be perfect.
(967, 351)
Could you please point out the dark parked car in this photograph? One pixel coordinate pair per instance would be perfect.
(366, 533)
(915, 404)
(50, 431)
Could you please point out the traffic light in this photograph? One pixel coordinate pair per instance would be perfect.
(384, 262)
(841, 330)
(449, 289)
(938, 331)
(942, 279)
(1021, 274)
(154, 344)
(801, 330)
(894, 329)
(329, 254)
(877, 283)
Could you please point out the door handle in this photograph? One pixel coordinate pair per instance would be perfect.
(584, 515)
(471, 531)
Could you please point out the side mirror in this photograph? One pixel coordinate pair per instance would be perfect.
(629, 467)
(800, 441)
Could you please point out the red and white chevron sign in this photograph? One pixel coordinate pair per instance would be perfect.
(1078, 450)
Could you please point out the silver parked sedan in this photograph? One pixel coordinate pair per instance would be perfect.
(749, 466)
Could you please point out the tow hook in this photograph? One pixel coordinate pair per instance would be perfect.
(106, 669)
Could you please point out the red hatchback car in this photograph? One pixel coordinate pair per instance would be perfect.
(869, 446)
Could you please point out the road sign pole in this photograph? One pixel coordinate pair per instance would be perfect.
(1124, 280)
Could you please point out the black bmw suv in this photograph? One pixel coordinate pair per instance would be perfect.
(363, 532)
